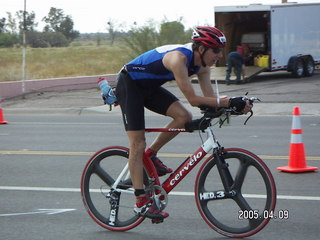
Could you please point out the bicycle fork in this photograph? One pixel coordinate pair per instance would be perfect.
(222, 166)
(224, 172)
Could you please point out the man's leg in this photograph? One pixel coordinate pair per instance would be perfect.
(238, 70)
(137, 146)
(144, 205)
(131, 103)
(180, 116)
(228, 71)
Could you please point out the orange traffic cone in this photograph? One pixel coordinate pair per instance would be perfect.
(2, 121)
(297, 159)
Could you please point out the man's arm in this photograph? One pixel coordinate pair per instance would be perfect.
(204, 77)
(176, 62)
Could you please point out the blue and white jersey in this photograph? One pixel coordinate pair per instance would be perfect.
(149, 70)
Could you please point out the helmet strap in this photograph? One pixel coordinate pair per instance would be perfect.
(202, 56)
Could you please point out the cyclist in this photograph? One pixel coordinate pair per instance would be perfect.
(140, 85)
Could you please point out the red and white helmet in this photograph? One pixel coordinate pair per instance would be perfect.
(211, 37)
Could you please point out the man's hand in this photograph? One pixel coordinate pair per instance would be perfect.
(240, 106)
(247, 108)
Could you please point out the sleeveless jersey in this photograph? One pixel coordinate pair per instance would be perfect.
(149, 71)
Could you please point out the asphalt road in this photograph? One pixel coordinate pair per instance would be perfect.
(42, 157)
(50, 137)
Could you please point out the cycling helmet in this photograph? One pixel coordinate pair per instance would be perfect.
(210, 37)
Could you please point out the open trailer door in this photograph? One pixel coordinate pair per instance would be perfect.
(246, 27)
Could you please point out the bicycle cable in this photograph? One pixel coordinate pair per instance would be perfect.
(200, 123)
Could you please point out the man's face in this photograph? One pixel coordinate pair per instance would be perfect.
(212, 55)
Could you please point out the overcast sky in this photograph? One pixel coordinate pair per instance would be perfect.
(93, 15)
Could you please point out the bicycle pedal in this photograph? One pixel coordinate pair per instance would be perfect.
(156, 221)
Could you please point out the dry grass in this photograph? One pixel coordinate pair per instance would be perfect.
(43, 63)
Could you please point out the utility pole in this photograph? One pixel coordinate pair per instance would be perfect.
(24, 49)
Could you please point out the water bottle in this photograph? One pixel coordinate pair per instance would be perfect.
(107, 92)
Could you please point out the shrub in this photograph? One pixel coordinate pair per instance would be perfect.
(8, 40)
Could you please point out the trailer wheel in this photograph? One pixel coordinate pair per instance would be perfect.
(298, 68)
(308, 66)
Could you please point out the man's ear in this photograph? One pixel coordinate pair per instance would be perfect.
(201, 49)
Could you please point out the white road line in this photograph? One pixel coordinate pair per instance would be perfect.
(39, 211)
(56, 189)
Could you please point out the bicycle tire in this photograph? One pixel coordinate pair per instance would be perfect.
(236, 215)
(111, 209)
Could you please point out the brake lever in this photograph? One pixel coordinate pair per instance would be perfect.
(251, 114)
(251, 100)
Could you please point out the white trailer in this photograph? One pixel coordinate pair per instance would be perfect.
(279, 37)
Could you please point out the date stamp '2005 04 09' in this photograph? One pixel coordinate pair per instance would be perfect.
(255, 214)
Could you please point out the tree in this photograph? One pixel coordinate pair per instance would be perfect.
(2, 25)
(98, 38)
(29, 24)
(53, 20)
(37, 40)
(8, 33)
(172, 33)
(112, 30)
(55, 39)
(66, 28)
(142, 39)
(11, 25)
(8, 39)
(57, 21)
(46, 39)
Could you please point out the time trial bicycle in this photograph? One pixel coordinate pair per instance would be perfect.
(234, 189)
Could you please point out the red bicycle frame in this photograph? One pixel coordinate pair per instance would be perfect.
(182, 171)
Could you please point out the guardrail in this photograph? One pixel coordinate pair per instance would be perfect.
(18, 88)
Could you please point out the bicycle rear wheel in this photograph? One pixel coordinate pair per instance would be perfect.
(245, 208)
(107, 192)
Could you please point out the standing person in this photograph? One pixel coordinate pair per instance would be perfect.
(140, 85)
(235, 60)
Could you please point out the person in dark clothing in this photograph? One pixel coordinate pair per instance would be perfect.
(235, 60)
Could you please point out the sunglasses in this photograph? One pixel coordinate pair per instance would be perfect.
(216, 50)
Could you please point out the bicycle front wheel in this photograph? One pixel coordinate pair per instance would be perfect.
(107, 192)
(245, 208)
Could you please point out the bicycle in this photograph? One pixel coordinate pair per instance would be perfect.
(234, 190)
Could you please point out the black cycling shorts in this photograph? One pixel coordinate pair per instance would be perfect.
(133, 98)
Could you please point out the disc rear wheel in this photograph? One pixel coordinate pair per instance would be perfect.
(109, 203)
